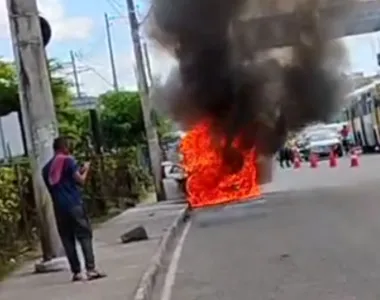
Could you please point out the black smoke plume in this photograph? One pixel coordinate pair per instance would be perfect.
(226, 75)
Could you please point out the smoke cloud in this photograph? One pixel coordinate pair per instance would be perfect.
(227, 75)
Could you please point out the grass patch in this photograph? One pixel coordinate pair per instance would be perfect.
(25, 255)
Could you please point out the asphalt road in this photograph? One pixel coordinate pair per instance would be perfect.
(317, 236)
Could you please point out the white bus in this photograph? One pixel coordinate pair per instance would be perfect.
(362, 115)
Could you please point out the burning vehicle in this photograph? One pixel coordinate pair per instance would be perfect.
(236, 100)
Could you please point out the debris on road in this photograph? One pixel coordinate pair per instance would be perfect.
(135, 234)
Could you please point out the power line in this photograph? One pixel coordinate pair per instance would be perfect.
(93, 69)
(81, 69)
(121, 6)
(94, 46)
(100, 75)
(119, 10)
(116, 7)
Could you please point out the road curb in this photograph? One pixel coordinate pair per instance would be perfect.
(147, 282)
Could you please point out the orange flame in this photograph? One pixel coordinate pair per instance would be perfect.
(208, 181)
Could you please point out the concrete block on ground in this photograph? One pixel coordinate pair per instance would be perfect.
(135, 234)
(54, 265)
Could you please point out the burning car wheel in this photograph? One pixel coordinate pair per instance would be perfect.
(182, 184)
(188, 188)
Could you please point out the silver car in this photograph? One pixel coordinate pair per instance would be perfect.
(322, 142)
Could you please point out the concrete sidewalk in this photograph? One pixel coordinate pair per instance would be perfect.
(124, 264)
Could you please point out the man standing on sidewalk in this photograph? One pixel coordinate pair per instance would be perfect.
(62, 176)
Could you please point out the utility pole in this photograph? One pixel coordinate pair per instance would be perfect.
(150, 125)
(110, 50)
(147, 61)
(94, 119)
(97, 139)
(75, 72)
(39, 118)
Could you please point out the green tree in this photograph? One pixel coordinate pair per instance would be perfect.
(72, 123)
(70, 120)
(122, 120)
(164, 126)
(8, 89)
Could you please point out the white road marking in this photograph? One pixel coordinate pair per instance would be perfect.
(171, 274)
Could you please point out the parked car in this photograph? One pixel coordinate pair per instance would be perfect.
(322, 142)
(174, 172)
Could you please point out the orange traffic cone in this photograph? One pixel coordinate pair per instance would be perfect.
(297, 162)
(354, 159)
(313, 160)
(332, 159)
(297, 159)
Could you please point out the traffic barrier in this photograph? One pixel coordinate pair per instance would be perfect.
(333, 161)
(354, 159)
(313, 160)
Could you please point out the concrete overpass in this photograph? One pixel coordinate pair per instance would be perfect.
(279, 30)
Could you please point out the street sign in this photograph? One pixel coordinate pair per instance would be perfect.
(85, 103)
(279, 30)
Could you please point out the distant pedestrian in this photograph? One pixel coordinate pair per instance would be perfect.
(345, 138)
(62, 176)
(285, 156)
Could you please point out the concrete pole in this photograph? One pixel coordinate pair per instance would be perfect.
(39, 119)
(110, 50)
(150, 126)
(97, 138)
(75, 72)
(147, 62)
(3, 141)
